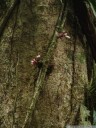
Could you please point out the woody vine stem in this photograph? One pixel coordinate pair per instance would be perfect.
(52, 43)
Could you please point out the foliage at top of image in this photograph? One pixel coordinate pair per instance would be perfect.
(93, 2)
(4, 5)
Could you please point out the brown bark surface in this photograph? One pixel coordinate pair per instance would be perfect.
(26, 35)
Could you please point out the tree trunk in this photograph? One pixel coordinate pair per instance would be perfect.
(28, 33)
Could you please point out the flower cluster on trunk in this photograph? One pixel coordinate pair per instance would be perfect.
(60, 35)
(35, 60)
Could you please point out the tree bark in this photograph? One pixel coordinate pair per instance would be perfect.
(59, 94)
(7, 16)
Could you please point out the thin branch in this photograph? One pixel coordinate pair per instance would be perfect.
(42, 73)
(7, 16)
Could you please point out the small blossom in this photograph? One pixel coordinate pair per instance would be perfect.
(60, 35)
(68, 37)
(38, 56)
(63, 34)
(34, 61)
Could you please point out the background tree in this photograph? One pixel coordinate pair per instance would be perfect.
(50, 91)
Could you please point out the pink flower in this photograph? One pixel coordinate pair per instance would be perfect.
(34, 62)
(63, 34)
(68, 37)
(38, 56)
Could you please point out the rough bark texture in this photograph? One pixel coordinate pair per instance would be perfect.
(26, 35)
